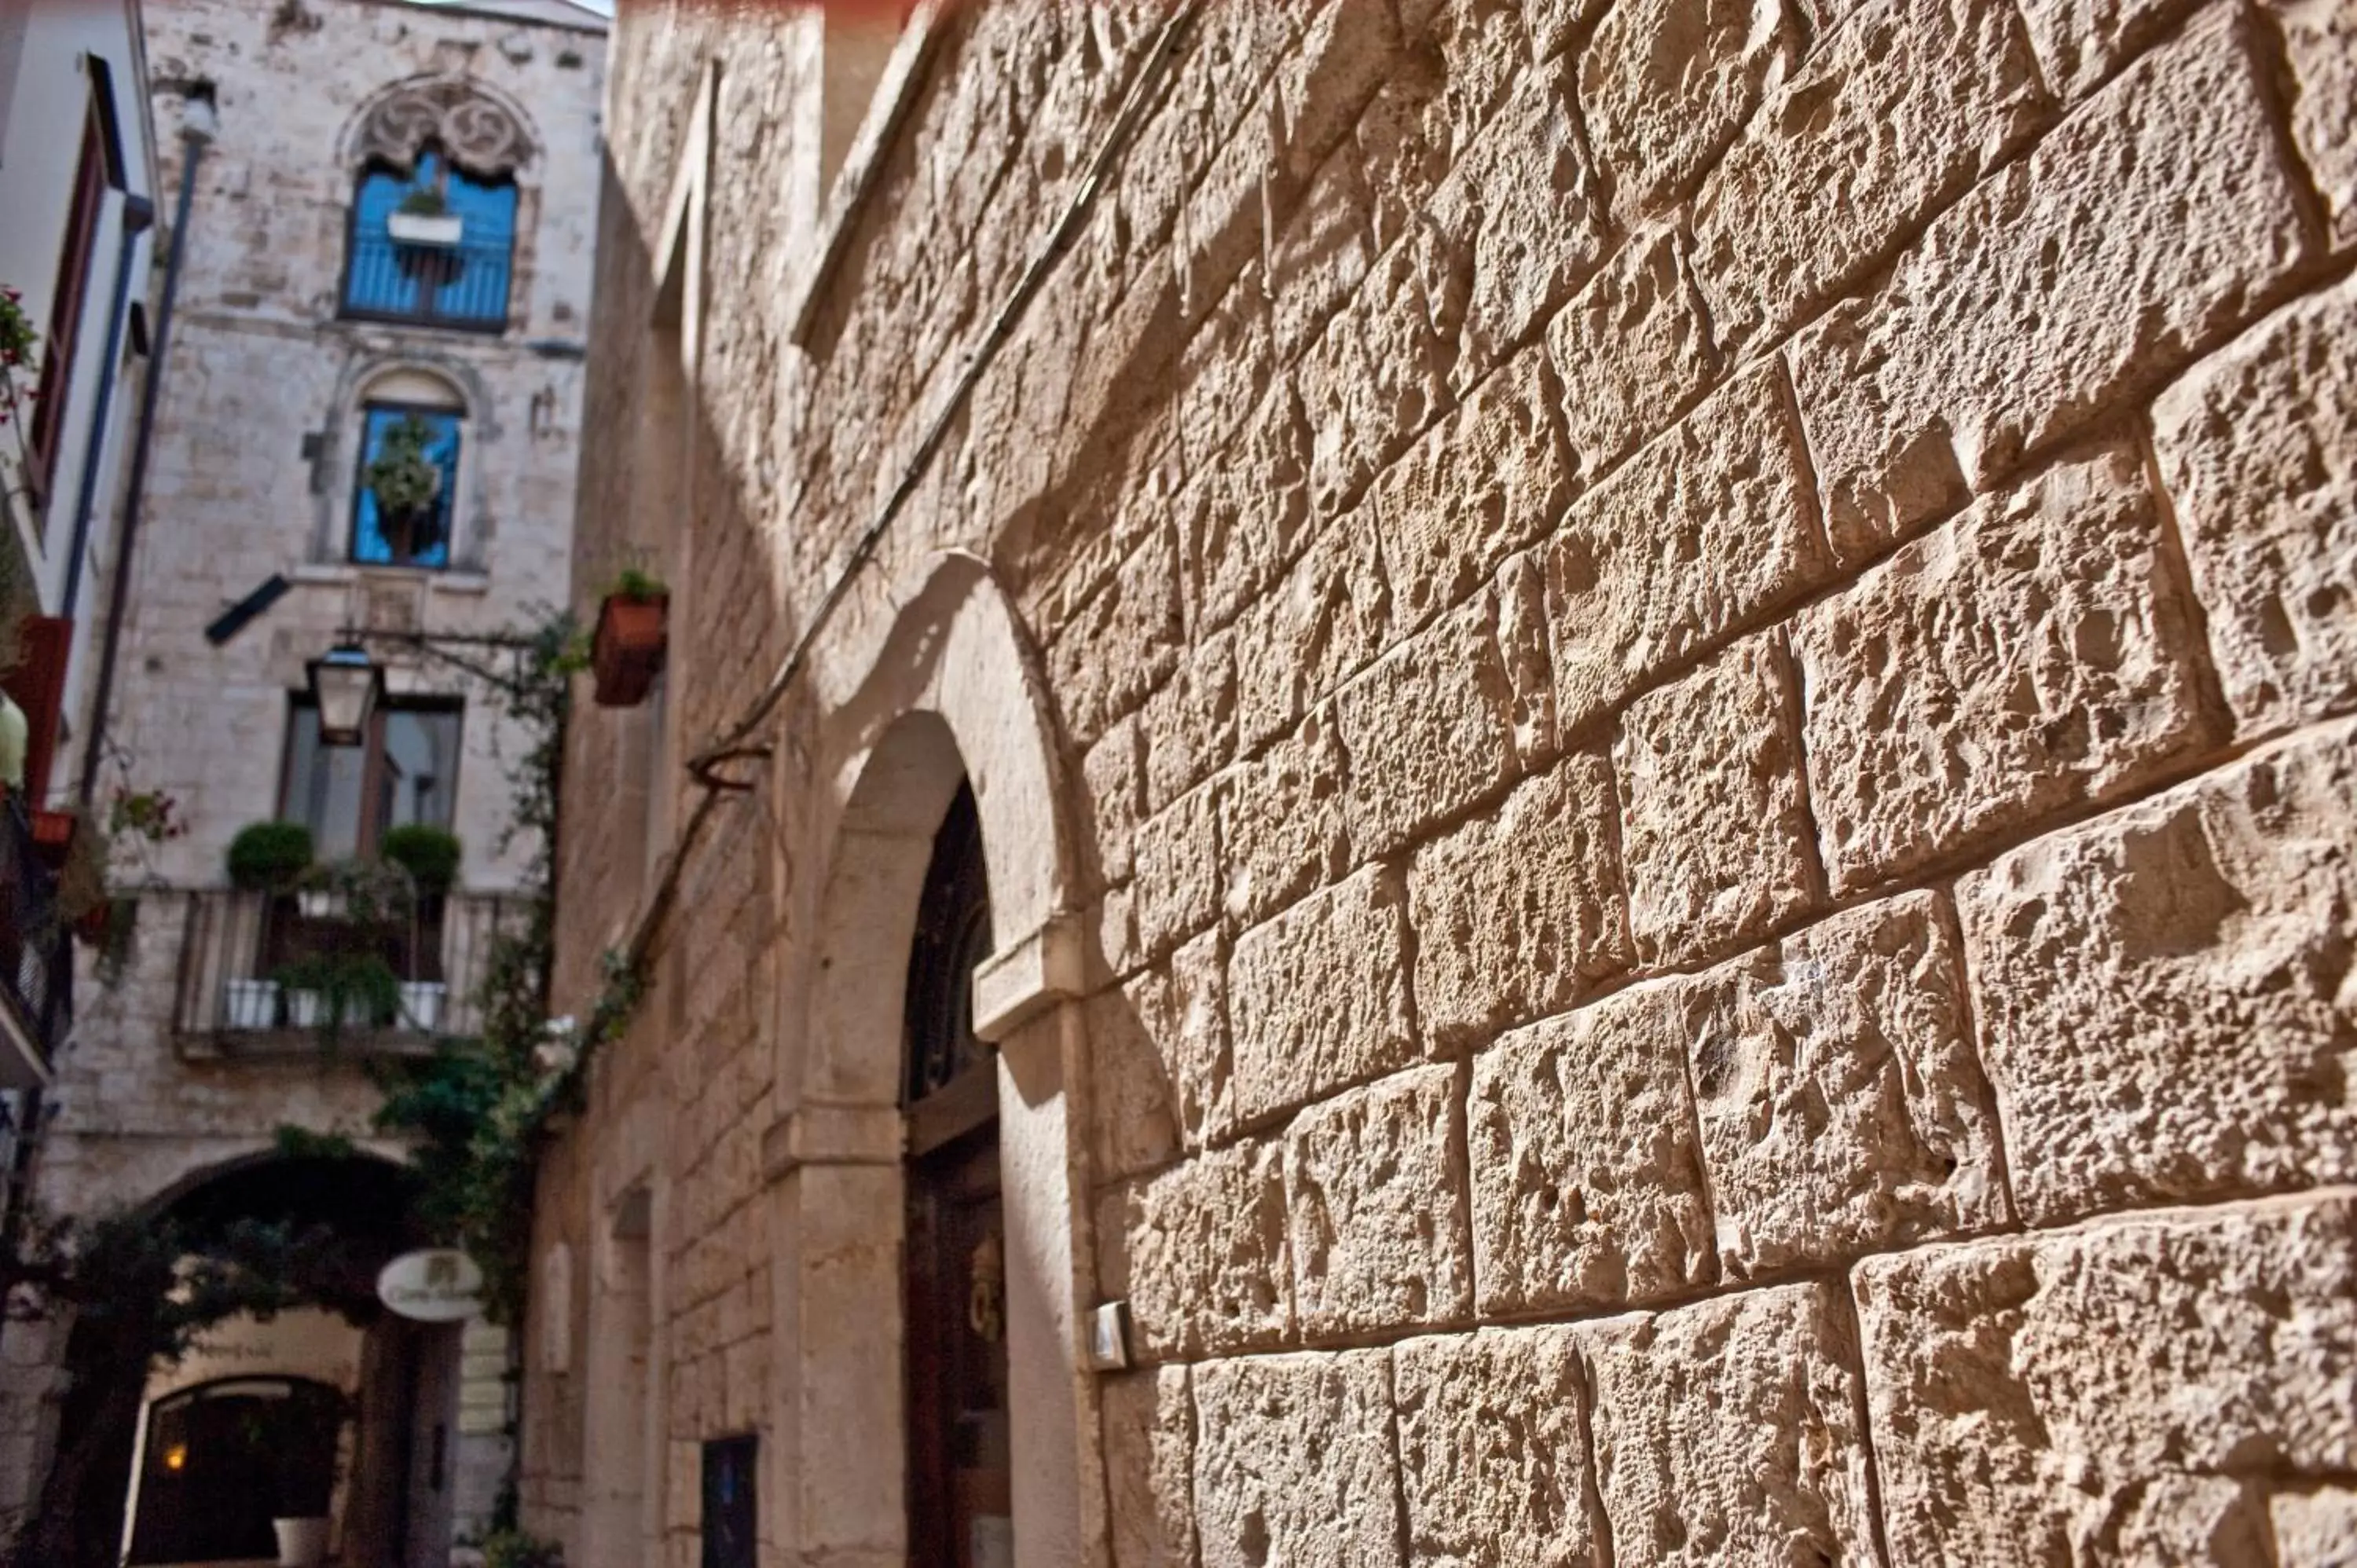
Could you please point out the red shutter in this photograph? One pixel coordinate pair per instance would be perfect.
(37, 685)
(66, 303)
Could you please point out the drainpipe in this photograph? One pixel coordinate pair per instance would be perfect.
(139, 216)
(197, 128)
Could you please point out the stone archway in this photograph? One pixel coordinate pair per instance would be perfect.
(949, 695)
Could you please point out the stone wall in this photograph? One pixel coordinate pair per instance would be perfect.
(1701, 655)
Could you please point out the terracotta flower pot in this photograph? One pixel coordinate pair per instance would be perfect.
(628, 652)
(53, 837)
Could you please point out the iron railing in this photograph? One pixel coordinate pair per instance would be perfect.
(242, 958)
(463, 285)
(36, 947)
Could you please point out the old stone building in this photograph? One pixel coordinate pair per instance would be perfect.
(305, 333)
(1635, 719)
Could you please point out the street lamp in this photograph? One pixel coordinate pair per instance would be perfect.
(345, 684)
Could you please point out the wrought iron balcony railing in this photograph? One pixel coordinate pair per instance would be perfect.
(36, 955)
(463, 285)
(258, 975)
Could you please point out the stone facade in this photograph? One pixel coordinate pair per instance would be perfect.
(254, 473)
(1660, 697)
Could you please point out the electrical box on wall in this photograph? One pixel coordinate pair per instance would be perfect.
(1109, 1338)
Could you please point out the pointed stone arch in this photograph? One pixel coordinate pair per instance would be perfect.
(482, 131)
(944, 689)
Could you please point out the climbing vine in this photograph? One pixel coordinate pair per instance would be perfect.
(479, 1108)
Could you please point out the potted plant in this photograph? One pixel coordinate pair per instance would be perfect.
(430, 854)
(627, 653)
(53, 836)
(431, 857)
(407, 484)
(269, 857)
(303, 1489)
(424, 219)
(328, 991)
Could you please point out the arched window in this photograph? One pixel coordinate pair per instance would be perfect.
(405, 483)
(431, 245)
(433, 208)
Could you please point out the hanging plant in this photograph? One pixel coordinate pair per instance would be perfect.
(407, 484)
(404, 476)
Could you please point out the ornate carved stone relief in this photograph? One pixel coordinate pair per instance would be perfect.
(479, 135)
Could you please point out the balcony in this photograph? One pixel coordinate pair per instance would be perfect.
(36, 958)
(463, 285)
(247, 984)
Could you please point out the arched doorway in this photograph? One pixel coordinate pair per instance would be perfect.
(894, 1158)
(183, 1443)
(955, 1243)
(225, 1458)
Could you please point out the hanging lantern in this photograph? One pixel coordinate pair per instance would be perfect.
(345, 685)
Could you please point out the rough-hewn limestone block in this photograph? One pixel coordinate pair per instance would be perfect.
(1188, 728)
(1667, 84)
(1293, 1462)
(1524, 200)
(1842, 1108)
(1714, 837)
(1374, 1192)
(2126, 1393)
(1516, 913)
(2314, 1530)
(2142, 229)
(1428, 729)
(2254, 447)
(1372, 382)
(1133, 1103)
(1111, 776)
(1481, 485)
(1208, 1272)
(1633, 352)
(2081, 44)
(1286, 819)
(1162, 1061)
(2321, 40)
(1894, 117)
(1587, 1189)
(1320, 258)
(1731, 1432)
(1149, 1422)
(2035, 653)
(1493, 1450)
(1177, 890)
(2163, 992)
(1124, 642)
(1347, 947)
(1703, 532)
(1326, 620)
(1244, 519)
(1322, 84)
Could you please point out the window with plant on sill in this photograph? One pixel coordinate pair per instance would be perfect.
(405, 770)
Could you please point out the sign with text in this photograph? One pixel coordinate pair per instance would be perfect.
(438, 1284)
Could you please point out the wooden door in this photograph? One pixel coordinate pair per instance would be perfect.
(958, 1501)
(960, 1514)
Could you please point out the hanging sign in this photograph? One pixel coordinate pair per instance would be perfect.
(438, 1284)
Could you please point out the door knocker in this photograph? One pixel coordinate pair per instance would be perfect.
(985, 1308)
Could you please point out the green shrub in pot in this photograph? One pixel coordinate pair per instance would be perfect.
(430, 854)
(269, 857)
